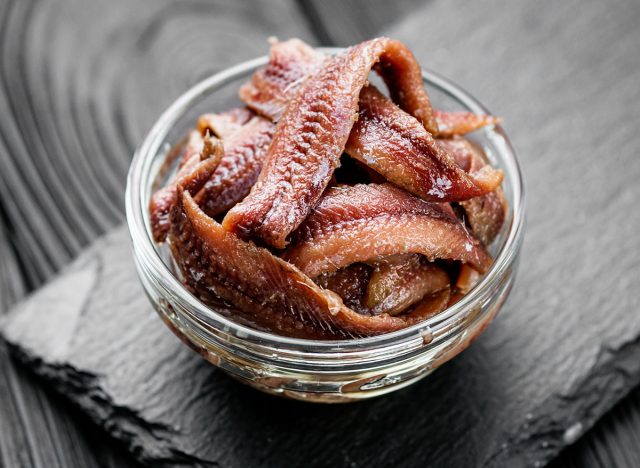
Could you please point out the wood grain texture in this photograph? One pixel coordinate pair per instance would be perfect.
(340, 23)
(38, 428)
(12, 285)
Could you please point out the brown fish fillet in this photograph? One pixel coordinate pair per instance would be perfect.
(485, 214)
(350, 283)
(312, 133)
(396, 285)
(263, 289)
(431, 305)
(272, 87)
(224, 124)
(193, 147)
(239, 168)
(362, 223)
(163, 200)
(466, 280)
(385, 138)
(397, 146)
(460, 123)
(391, 286)
(221, 125)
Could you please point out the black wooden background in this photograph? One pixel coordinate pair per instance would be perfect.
(72, 109)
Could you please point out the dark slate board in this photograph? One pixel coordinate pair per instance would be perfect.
(107, 351)
(543, 367)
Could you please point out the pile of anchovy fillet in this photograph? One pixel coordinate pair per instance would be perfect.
(325, 209)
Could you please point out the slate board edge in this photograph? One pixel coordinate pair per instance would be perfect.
(147, 441)
(614, 374)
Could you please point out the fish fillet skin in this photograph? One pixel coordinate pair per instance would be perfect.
(395, 286)
(385, 138)
(291, 62)
(368, 222)
(163, 200)
(224, 124)
(389, 286)
(360, 258)
(396, 145)
(263, 289)
(461, 122)
(431, 305)
(312, 133)
(350, 283)
(484, 214)
(271, 88)
(239, 167)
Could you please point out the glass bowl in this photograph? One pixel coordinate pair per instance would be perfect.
(320, 371)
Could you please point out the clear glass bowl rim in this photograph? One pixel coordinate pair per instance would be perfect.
(144, 247)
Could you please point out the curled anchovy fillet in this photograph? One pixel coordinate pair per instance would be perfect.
(290, 62)
(224, 124)
(394, 237)
(388, 286)
(271, 88)
(466, 280)
(239, 167)
(460, 123)
(432, 304)
(396, 285)
(350, 283)
(192, 147)
(312, 133)
(385, 138)
(221, 125)
(369, 222)
(263, 289)
(163, 200)
(396, 145)
(187, 153)
(484, 214)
